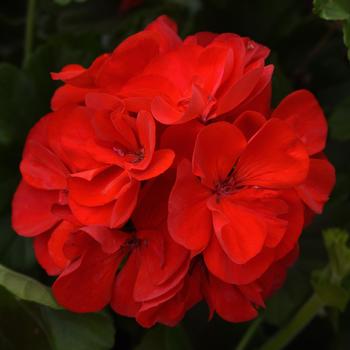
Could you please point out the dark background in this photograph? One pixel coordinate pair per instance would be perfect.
(308, 52)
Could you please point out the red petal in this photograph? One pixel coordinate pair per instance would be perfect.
(113, 214)
(232, 222)
(318, 185)
(152, 209)
(305, 116)
(68, 72)
(229, 302)
(216, 150)
(70, 135)
(57, 241)
(102, 189)
(268, 207)
(86, 285)
(31, 210)
(161, 161)
(166, 30)
(43, 169)
(68, 95)
(221, 266)
(210, 68)
(168, 114)
(189, 220)
(249, 123)
(187, 133)
(295, 219)
(146, 129)
(42, 254)
(128, 59)
(260, 98)
(273, 158)
(125, 205)
(102, 101)
(122, 300)
(110, 240)
(239, 91)
(164, 265)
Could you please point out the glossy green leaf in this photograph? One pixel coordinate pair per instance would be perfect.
(26, 288)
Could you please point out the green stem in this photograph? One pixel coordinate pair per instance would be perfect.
(29, 31)
(249, 333)
(302, 318)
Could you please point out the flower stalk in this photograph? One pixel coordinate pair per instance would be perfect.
(248, 335)
(302, 318)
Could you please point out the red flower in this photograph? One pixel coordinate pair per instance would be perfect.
(199, 80)
(125, 148)
(238, 189)
(163, 177)
(86, 260)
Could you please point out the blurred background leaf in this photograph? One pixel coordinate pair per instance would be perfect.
(27, 325)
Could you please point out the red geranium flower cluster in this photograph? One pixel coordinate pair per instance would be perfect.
(163, 177)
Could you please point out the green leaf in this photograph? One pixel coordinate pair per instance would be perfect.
(340, 121)
(336, 242)
(165, 338)
(43, 328)
(332, 9)
(26, 288)
(329, 282)
(20, 318)
(336, 10)
(331, 294)
(86, 331)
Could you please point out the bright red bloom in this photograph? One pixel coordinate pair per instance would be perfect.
(163, 177)
(86, 260)
(241, 189)
(201, 79)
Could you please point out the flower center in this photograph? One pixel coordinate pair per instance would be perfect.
(132, 242)
(130, 157)
(225, 187)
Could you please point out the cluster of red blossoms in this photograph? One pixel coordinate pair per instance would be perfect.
(163, 177)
